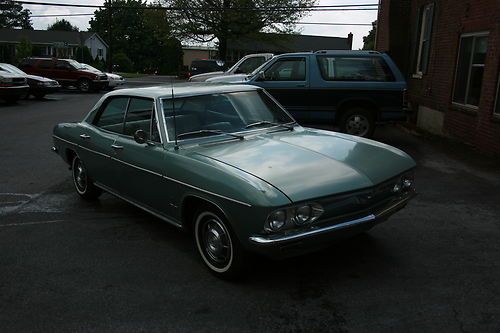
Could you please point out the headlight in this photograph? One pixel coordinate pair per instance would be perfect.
(291, 217)
(303, 214)
(276, 220)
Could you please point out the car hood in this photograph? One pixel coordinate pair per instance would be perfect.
(205, 76)
(38, 78)
(233, 78)
(305, 163)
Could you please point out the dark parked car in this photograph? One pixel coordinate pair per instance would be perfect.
(354, 89)
(230, 165)
(67, 72)
(39, 86)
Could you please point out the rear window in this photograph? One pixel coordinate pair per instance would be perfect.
(354, 69)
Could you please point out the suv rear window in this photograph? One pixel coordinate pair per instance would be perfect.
(354, 69)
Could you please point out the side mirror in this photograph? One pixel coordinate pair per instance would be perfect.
(140, 137)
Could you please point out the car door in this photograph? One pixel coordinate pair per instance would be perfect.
(286, 79)
(140, 165)
(98, 138)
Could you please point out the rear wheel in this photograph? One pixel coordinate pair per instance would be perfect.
(84, 85)
(358, 121)
(39, 95)
(83, 184)
(217, 245)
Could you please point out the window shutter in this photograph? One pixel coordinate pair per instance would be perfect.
(427, 37)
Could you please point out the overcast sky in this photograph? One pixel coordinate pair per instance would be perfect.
(82, 22)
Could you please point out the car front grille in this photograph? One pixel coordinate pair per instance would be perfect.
(359, 203)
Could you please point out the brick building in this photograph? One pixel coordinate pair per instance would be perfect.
(449, 51)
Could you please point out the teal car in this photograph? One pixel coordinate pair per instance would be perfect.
(230, 165)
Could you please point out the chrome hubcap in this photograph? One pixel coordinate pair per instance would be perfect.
(358, 125)
(80, 176)
(217, 244)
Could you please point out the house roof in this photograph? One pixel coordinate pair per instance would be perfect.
(283, 43)
(46, 37)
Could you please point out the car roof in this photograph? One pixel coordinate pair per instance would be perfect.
(183, 90)
(337, 53)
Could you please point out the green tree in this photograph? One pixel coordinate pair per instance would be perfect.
(23, 50)
(122, 62)
(62, 25)
(83, 55)
(142, 34)
(369, 40)
(12, 15)
(207, 20)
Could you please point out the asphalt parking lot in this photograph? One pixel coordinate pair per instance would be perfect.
(105, 266)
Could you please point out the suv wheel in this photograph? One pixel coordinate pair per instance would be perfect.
(84, 85)
(358, 121)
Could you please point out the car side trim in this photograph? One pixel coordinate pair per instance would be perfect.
(156, 174)
(138, 205)
(276, 240)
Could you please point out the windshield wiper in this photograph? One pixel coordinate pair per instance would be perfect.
(288, 126)
(209, 131)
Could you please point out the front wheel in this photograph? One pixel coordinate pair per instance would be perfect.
(83, 184)
(358, 121)
(84, 85)
(217, 245)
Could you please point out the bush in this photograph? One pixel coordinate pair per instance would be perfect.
(122, 63)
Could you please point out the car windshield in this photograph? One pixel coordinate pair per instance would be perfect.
(12, 69)
(258, 69)
(90, 68)
(222, 113)
(75, 64)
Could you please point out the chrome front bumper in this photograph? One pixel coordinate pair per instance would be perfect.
(278, 240)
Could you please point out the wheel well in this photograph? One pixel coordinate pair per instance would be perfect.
(190, 206)
(70, 154)
(368, 105)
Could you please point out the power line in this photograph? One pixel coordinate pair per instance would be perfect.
(301, 23)
(360, 7)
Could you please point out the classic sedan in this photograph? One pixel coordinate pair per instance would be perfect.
(230, 165)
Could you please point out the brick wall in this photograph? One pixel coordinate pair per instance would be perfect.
(435, 88)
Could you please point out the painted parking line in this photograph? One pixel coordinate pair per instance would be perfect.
(29, 223)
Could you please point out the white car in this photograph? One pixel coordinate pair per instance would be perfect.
(244, 66)
(115, 80)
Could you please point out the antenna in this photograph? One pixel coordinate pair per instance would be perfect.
(173, 111)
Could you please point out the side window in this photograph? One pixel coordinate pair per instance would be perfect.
(354, 69)
(288, 69)
(62, 65)
(139, 113)
(470, 69)
(111, 117)
(45, 64)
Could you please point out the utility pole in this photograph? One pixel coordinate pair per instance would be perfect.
(110, 37)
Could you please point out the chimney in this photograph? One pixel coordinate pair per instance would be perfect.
(349, 40)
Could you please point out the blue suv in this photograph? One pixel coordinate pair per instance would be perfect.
(353, 89)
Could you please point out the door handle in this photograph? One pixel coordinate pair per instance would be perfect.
(84, 136)
(116, 147)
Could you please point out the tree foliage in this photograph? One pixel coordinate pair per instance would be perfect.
(234, 18)
(23, 50)
(369, 40)
(143, 35)
(12, 15)
(62, 25)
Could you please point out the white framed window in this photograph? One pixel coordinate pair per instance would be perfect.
(470, 69)
(424, 38)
